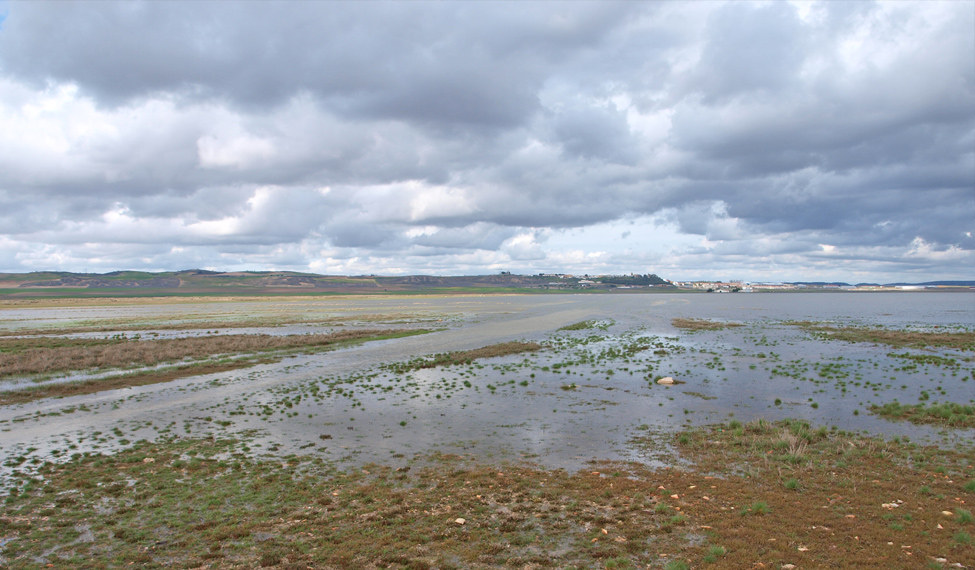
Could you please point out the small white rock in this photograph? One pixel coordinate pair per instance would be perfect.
(666, 380)
(460, 521)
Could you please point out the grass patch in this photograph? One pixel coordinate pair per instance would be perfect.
(948, 414)
(701, 324)
(582, 325)
(464, 356)
(714, 552)
(136, 325)
(21, 357)
(899, 338)
(926, 359)
(284, 345)
(183, 322)
(585, 325)
(757, 508)
(65, 389)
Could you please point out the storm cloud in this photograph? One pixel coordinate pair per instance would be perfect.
(765, 141)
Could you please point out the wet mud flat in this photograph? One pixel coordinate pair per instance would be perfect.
(589, 395)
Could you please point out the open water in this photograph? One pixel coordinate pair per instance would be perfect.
(585, 397)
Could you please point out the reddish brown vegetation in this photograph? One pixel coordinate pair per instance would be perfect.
(963, 340)
(121, 381)
(466, 356)
(59, 355)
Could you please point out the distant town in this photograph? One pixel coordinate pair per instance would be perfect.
(734, 286)
(749, 287)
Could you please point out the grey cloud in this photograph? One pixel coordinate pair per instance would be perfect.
(475, 236)
(450, 64)
(527, 118)
(750, 48)
(597, 133)
(207, 204)
(357, 234)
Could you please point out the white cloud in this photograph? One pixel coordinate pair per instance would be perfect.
(438, 202)
(240, 151)
(524, 247)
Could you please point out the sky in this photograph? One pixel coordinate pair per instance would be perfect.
(765, 141)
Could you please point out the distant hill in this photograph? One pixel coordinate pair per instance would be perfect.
(193, 282)
(820, 283)
(935, 284)
(205, 282)
(631, 280)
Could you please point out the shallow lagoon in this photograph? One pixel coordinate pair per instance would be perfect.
(586, 397)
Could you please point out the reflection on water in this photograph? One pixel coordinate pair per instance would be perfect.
(583, 398)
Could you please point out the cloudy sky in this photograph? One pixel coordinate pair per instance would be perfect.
(761, 141)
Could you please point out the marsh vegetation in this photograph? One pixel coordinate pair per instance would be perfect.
(949, 414)
(748, 494)
(466, 356)
(187, 356)
(558, 449)
(959, 340)
(701, 324)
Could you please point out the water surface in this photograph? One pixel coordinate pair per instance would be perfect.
(583, 398)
